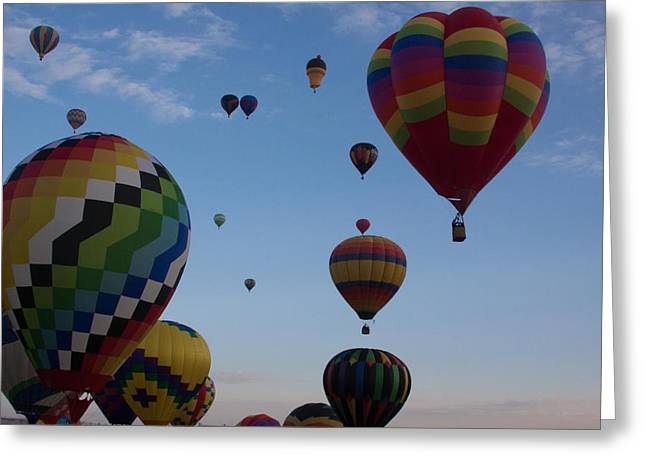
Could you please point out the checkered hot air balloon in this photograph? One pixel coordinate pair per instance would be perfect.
(191, 413)
(44, 40)
(459, 95)
(367, 271)
(113, 405)
(164, 372)
(76, 118)
(366, 387)
(95, 238)
(20, 383)
(313, 415)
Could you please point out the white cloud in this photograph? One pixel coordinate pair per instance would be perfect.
(584, 45)
(367, 20)
(163, 105)
(177, 10)
(111, 34)
(167, 49)
(17, 83)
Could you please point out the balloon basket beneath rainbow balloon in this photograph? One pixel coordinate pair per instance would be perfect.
(459, 230)
(365, 329)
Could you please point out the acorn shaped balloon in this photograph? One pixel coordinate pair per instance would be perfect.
(316, 70)
(95, 238)
(368, 271)
(164, 372)
(366, 387)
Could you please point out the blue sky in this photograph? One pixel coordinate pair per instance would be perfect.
(501, 330)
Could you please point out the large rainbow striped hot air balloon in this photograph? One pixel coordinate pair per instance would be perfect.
(368, 271)
(95, 238)
(459, 95)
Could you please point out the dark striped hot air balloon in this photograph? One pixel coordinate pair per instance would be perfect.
(249, 284)
(363, 155)
(366, 387)
(459, 95)
(362, 225)
(259, 420)
(229, 103)
(367, 270)
(248, 104)
(76, 118)
(313, 415)
(44, 40)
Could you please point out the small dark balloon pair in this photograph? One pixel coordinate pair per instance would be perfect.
(248, 104)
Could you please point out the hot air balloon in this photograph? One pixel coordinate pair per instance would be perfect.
(366, 387)
(259, 420)
(68, 410)
(219, 219)
(20, 382)
(459, 95)
(249, 284)
(313, 415)
(191, 413)
(316, 70)
(44, 40)
(363, 156)
(76, 118)
(248, 104)
(229, 103)
(113, 405)
(363, 225)
(95, 238)
(164, 372)
(367, 270)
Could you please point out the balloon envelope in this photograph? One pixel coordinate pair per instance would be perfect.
(229, 103)
(363, 156)
(113, 405)
(368, 271)
(219, 219)
(95, 238)
(259, 420)
(316, 70)
(362, 225)
(459, 94)
(313, 415)
(191, 413)
(44, 40)
(76, 118)
(164, 372)
(248, 104)
(249, 284)
(366, 387)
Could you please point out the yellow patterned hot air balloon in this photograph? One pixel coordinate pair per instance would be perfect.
(164, 372)
(198, 406)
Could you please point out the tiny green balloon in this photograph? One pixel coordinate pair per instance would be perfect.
(219, 219)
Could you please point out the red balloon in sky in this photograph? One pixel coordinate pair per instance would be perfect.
(363, 225)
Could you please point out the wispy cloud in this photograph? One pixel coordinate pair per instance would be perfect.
(17, 83)
(111, 34)
(583, 45)
(367, 20)
(582, 154)
(236, 377)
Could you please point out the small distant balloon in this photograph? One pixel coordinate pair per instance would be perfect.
(229, 103)
(363, 225)
(363, 156)
(249, 284)
(219, 219)
(316, 70)
(76, 118)
(248, 104)
(44, 40)
(261, 419)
